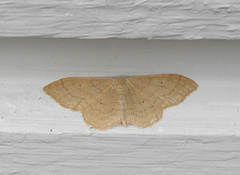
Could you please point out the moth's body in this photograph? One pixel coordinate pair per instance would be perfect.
(105, 102)
(121, 89)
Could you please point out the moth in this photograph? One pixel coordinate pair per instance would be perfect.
(105, 102)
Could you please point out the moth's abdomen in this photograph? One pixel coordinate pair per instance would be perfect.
(121, 89)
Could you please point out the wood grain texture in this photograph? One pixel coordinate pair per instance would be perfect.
(105, 102)
(108, 154)
(121, 19)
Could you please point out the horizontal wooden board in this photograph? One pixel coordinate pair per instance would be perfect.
(150, 19)
(37, 136)
(106, 154)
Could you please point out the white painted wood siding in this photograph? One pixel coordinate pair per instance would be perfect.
(199, 136)
(152, 19)
(104, 154)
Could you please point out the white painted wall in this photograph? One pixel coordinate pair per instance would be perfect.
(201, 135)
(161, 19)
